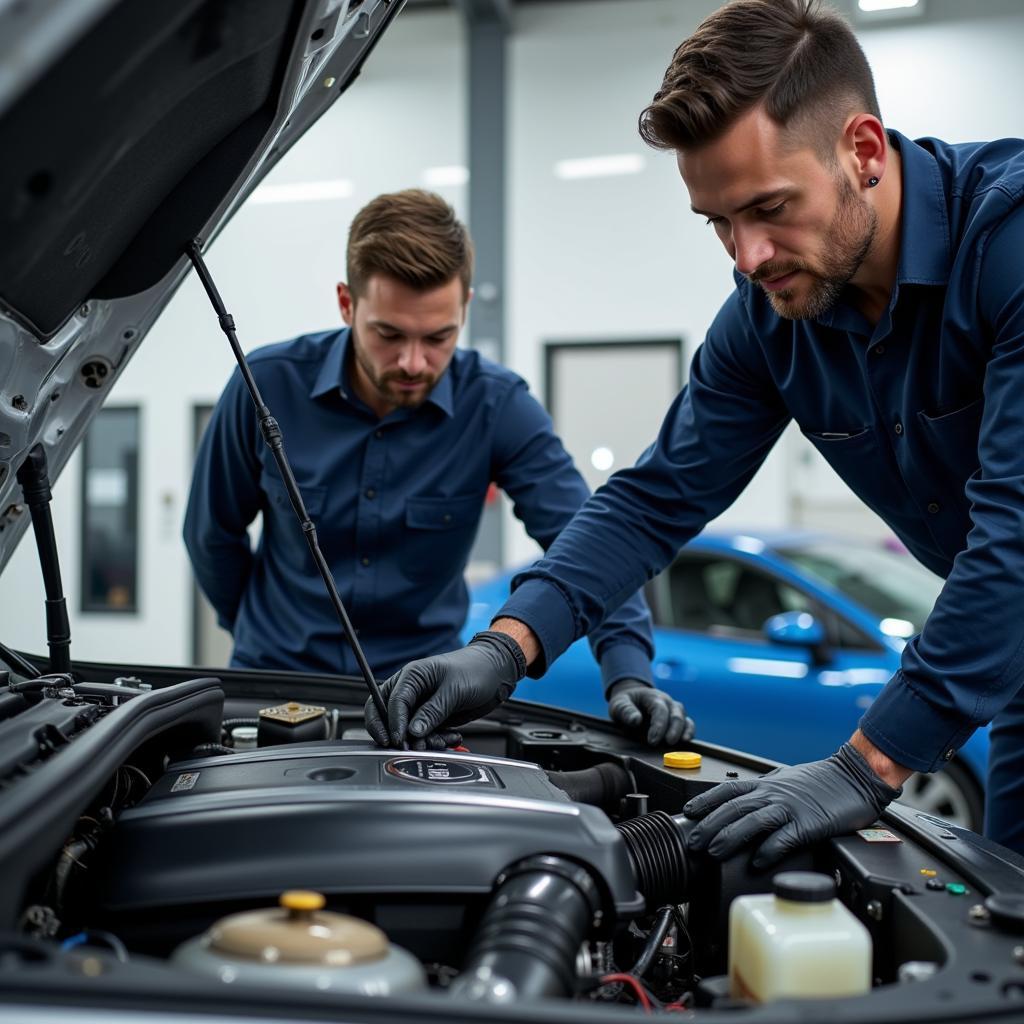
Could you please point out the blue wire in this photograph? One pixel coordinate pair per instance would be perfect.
(75, 940)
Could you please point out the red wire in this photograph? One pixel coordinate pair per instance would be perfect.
(638, 989)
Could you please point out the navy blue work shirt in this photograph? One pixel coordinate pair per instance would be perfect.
(396, 502)
(922, 415)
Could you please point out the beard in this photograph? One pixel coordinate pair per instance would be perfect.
(385, 384)
(845, 245)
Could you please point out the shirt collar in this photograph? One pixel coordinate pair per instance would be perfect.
(334, 377)
(925, 250)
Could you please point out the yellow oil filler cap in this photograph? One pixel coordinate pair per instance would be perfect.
(682, 759)
(299, 900)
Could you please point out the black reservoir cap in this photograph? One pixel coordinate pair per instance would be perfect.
(1007, 911)
(804, 886)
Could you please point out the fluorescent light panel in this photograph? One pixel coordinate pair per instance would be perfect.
(871, 6)
(303, 192)
(441, 177)
(600, 166)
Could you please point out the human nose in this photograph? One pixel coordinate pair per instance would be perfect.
(412, 362)
(750, 249)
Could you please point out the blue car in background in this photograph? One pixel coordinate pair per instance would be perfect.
(776, 642)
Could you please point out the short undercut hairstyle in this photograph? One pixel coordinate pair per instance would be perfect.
(412, 236)
(796, 58)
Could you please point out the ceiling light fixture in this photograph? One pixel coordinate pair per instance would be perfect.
(600, 166)
(871, 6)
(442, 177)
(303, 192)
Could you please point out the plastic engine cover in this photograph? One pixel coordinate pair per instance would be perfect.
(345, 819)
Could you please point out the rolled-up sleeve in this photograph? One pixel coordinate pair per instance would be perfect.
(715, 436)
(968, 661)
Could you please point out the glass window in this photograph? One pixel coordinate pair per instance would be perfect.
(110, 512)
(892, 586)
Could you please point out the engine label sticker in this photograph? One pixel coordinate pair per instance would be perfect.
(441, 773)
(878, 835)
(186, 780)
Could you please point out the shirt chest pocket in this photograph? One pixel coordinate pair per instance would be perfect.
(282, 531)
(438, 535)
(953, 439)
(863, 464)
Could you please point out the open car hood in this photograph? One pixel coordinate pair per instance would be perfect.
(128, 131)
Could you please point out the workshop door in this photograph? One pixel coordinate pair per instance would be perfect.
(607, 399)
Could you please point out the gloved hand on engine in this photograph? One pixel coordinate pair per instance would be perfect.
(429, 698)
(794, 807)
(633, 704)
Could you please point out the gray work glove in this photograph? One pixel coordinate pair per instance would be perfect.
(798, 806)
(633, 703)
(446, 691)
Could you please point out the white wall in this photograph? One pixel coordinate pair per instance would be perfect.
(611, 258)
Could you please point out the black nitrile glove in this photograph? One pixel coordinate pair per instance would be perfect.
(798, 806)
(633, 703)
(447, 690)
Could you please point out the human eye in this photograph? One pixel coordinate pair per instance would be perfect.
(713, 220)
(774, 211)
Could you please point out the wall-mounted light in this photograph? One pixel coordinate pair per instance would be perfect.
(303, 192)
(602, 459)
(600, 166)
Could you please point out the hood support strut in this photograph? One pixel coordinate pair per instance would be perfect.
(35, 483)
(275, 442)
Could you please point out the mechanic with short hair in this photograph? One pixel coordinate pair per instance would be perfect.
(394, 435)
(879, 303)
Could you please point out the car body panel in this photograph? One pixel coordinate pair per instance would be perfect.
(777, 701)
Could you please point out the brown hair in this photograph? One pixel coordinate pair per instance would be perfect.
(798, 59)
(412, 236)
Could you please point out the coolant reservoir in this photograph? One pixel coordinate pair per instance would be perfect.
(801, 941)
(301, 944)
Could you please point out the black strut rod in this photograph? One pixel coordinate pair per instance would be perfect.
(35, 483)
(275, 442)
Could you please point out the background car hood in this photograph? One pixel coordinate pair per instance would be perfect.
(128, 130)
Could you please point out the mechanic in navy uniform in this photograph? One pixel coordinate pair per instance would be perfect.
(394, 435)
(879, 303)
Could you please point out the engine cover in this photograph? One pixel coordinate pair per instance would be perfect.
(346, 818)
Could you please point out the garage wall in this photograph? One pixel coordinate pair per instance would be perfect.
(601, 259)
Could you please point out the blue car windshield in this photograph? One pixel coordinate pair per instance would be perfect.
(893, 586)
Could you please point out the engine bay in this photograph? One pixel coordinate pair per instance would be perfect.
(238, 846)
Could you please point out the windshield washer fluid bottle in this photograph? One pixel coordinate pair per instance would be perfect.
(798, 941)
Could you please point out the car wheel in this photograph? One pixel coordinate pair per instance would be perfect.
(950, 794)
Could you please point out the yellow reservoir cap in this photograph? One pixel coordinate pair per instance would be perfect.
(302, 899)
(682, 759)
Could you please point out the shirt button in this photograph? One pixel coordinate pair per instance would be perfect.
(378, 434)
(364, 560)
(879, 349)
(933, 507)
(899, 429)
(446, 518)
(371, 493)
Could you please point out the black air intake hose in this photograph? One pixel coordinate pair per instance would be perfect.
(657, 849)
(604, 785)
(530, 935)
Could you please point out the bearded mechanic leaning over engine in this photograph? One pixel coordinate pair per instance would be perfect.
(879, 303)
(397, 434)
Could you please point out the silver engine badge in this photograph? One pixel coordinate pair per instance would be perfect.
(440, 773)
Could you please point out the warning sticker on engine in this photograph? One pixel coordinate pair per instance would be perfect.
(878, 835)
(186, 780)
(440, 773)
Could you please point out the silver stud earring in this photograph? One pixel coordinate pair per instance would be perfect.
(872, 181)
